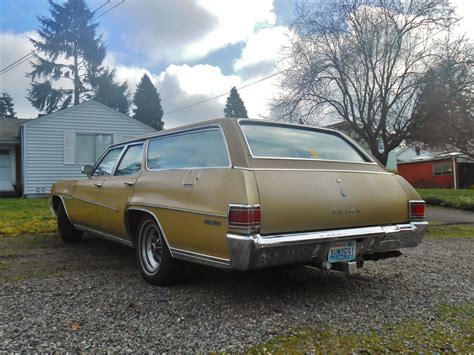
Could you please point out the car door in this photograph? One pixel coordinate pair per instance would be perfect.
(117, 189)
(84, 202)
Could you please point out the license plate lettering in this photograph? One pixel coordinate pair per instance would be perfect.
(345, 251)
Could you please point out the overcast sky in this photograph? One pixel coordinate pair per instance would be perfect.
(192, 49)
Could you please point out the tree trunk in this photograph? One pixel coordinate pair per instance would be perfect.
(77, 82)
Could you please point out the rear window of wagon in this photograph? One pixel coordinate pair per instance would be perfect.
(267, 140)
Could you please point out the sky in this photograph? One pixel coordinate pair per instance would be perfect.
(192, 49)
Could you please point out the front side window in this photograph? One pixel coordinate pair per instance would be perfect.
(442, 169)
(106, 165)
(89, 147)
(284, 142)
(131, 162)
(199, 149)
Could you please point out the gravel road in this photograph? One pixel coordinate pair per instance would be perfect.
(99, 302)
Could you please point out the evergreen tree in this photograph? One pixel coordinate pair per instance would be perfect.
(234, 106)
(6, 106)
(67, 35)
(111, 93)
(148, 104)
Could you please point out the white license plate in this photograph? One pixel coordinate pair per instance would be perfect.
(342, 251)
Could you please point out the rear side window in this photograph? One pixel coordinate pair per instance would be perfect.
(131, 162)
(274, 141)
(201, 149)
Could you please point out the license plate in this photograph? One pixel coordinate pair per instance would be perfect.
(343, 251)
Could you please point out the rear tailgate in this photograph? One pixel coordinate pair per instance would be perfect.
(299, 200)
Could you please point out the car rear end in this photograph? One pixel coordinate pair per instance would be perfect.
(322, 200)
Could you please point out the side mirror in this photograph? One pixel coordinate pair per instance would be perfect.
(87, 170)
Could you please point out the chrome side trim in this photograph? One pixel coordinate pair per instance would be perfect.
(132, 208)
(316, 170)
(62, 197)
(95, 203)
(104, 235)
(200, 258)
(180, 209)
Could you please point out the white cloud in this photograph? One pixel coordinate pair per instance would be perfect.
(191, 29)
(183, 85)
(12, 47)
(262, 52)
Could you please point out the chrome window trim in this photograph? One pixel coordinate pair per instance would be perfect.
(103, 156)
(316, 170)
(214, 127)
(122, 154)
(309, 128)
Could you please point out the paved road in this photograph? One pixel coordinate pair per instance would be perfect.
(449, 216)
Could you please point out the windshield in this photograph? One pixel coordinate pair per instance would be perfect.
(267, 140)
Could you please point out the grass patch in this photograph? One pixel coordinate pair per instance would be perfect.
(451, 330)
(460, 199)
(439, 231)
(25, 216)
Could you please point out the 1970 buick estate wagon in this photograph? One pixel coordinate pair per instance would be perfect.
(242, 194)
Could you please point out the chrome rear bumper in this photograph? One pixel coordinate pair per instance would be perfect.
(258, 251)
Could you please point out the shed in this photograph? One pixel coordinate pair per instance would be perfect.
(55, 146)
(445, 171)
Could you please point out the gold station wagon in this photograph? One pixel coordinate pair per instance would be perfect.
(242, 194)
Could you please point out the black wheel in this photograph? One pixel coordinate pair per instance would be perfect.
(156, 263)
(68, 233)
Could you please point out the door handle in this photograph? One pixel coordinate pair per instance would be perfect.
(128, 183)
(98, 185)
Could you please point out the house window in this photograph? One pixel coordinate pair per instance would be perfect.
(89, 147)
(442, 169)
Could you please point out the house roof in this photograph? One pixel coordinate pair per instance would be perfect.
(90, 102)
(10, 130)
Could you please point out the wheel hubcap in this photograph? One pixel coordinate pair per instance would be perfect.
(151, 247)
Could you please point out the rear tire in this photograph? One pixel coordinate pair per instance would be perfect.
(68, 233)
(154, 258)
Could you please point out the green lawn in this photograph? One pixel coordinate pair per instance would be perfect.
(25, 216)
(450, 331)
(460, 199)
(439, 231)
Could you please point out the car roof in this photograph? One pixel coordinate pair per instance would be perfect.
(217, 121)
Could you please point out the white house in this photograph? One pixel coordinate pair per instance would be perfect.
(55, 146)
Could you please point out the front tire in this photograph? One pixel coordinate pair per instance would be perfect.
(156, 263)
(68, 233)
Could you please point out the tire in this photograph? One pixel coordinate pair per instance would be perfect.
(157, 266)
(68, 233)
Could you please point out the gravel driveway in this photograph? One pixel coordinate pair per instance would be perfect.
(98, 301)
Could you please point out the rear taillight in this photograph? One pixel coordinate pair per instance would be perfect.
(244, 218)
(417, 209)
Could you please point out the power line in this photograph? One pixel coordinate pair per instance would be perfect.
(225, 93)
(102, 14)
(29, 55)
(265, 78)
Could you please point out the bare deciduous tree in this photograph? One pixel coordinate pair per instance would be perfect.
(444, 110)
(362, 61)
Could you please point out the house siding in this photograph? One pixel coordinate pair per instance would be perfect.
(420, 174)
(43, 142)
